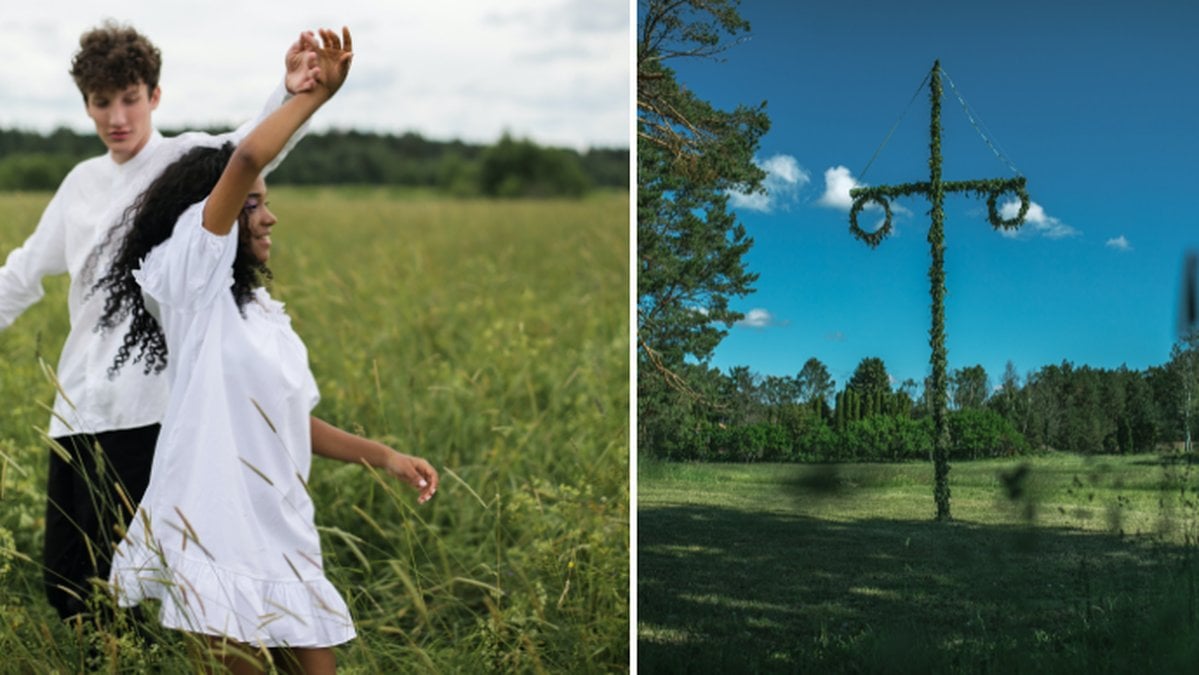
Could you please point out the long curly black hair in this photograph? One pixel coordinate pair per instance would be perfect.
(148, 222)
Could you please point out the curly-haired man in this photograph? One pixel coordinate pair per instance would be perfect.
(106, 426)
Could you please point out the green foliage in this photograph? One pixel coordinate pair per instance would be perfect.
(690, 154)
(939, 360)
(814, 382)
(1059, 407)
(817, 441)
(31, 161)
(690, 247)
(977, 433)
(61, 141)
(882, 195)
(1089, 410)
(28, 171)
(886, 438)
(488, 336)
(970, 387)
(1184, 362)
(974, 434)
(693, 28)
(519, 168)
(870, 377)
(675, 418)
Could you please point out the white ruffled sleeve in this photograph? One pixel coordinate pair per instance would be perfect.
(191, 268)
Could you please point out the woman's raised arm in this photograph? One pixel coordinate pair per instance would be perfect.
(267, 139)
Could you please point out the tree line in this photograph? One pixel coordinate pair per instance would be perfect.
(738, 415)
(511, 167)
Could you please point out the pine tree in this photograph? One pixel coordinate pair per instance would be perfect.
(690, 247)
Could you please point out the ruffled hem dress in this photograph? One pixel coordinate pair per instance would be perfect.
(225, 536)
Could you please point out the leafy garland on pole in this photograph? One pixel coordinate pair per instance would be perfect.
(991, 188)
(935, 190)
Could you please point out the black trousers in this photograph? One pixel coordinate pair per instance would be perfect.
(83, 509)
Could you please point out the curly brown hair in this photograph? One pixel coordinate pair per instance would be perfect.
(113, 56)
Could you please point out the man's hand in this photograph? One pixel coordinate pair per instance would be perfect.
(301, 64)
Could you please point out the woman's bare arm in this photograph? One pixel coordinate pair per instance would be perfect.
(265, 142)
(329, 441)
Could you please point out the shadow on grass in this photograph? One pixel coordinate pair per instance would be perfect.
(1171, 459)
(722, 589)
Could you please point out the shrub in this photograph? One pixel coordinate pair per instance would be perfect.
(976, 433)
(520, 168)
(887, 438)
(819, 441)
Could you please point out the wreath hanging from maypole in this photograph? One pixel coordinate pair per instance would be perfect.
(991, 188)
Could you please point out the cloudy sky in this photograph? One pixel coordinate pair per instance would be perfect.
(556, 71)
(1094, 103)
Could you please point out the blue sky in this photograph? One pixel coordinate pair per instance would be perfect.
(1096, 103)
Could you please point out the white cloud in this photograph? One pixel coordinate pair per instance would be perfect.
(1036, 221)
(784, 178)
(757, 201)
(556, 72)
(784, 169)
(1119, 243)
(838, 181)
(760, 318)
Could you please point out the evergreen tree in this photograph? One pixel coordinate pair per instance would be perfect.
(1140, 415)
(870, 376)
(689, 156)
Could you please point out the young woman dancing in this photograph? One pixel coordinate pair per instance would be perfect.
(224, 536)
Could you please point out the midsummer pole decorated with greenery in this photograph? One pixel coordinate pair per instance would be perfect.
(935, 189)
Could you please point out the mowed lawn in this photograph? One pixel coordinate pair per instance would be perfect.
(1054, 563)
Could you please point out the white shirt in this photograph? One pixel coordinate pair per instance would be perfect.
(227, 514)
(90, 201)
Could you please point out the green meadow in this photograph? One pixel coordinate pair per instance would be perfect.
(1053, 564)
(490, 337)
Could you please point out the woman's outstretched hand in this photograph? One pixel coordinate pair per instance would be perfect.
(414, 471)
(300, 62)
(333, 58)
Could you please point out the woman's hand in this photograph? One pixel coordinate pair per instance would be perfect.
(333, 59)
(329, 441)
(414, 471)
(300, 62)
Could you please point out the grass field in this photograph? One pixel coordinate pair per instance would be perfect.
(1083, 565)
(491, 338)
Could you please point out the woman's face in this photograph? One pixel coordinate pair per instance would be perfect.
(259, 221)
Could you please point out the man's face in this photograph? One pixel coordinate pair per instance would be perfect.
(122, 118)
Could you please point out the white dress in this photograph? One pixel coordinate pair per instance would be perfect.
(224, 535)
